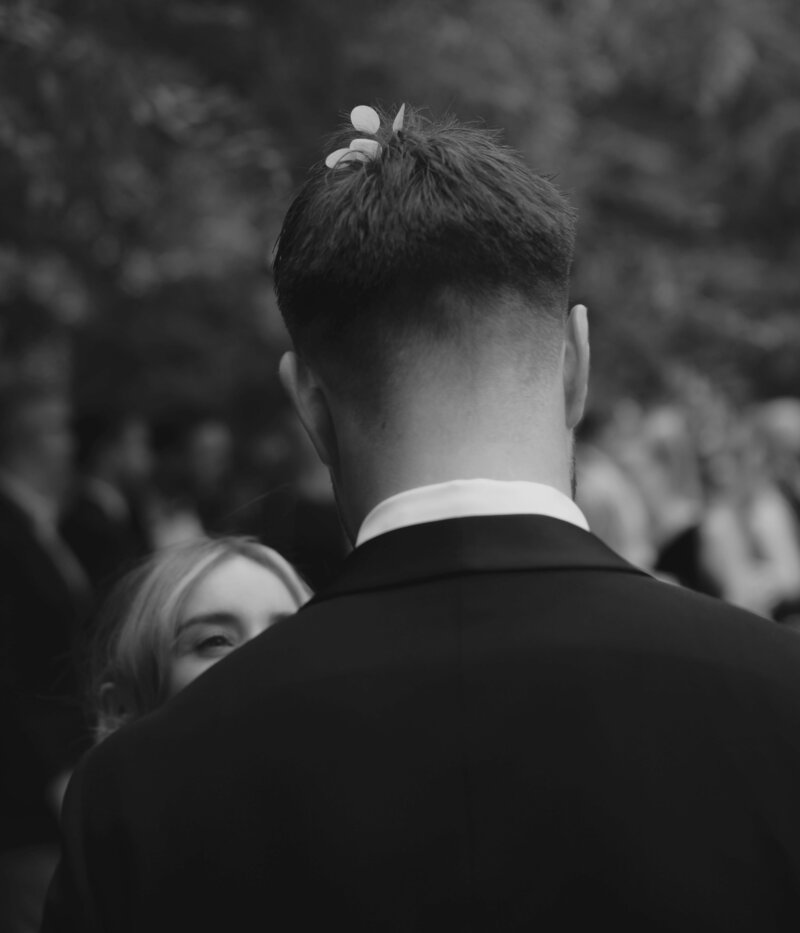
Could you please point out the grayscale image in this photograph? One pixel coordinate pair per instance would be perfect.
(399, 466)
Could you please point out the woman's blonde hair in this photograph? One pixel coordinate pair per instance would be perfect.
(139, 623)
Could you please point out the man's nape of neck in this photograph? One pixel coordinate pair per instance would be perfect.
(455, 417)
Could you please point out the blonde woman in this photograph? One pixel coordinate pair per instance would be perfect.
(177, 615)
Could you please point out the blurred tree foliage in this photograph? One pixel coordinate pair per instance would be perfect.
(148, 149)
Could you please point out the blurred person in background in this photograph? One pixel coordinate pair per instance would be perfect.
(749, 530)
(193, 452)
(609, 498)
(721, 524)
(171, 619)
(669, 472)
(209, 463)
(265, 461)
(106, 521)
(44, 599)
(778, 424)
(298, 516)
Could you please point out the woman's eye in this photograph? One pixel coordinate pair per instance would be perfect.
(214, 643)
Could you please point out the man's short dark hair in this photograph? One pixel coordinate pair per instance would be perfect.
(445, 231)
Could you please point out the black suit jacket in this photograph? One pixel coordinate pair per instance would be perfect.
(484, 724)
(43, 728)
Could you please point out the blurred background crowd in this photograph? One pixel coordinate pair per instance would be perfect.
(700, 493)
(148, 150)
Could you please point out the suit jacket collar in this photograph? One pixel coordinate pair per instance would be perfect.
(472, 545)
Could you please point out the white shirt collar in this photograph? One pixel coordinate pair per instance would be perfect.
(464, 498)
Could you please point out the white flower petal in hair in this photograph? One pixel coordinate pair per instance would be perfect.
(370, 147)
(340, 156)
(360, 150)
(336, 156)
(365, 119)
(397, 123)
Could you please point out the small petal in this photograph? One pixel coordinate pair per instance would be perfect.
(369, 146)
(334, 157)
(398, 120)
(365, 119)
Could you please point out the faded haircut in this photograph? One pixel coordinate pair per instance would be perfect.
(446, 238)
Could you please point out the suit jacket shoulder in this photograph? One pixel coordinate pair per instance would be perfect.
(481, 724)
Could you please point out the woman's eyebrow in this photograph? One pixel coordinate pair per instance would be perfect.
(208, 618)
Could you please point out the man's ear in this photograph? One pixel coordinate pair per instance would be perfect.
(576, 365)
(309, 401)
